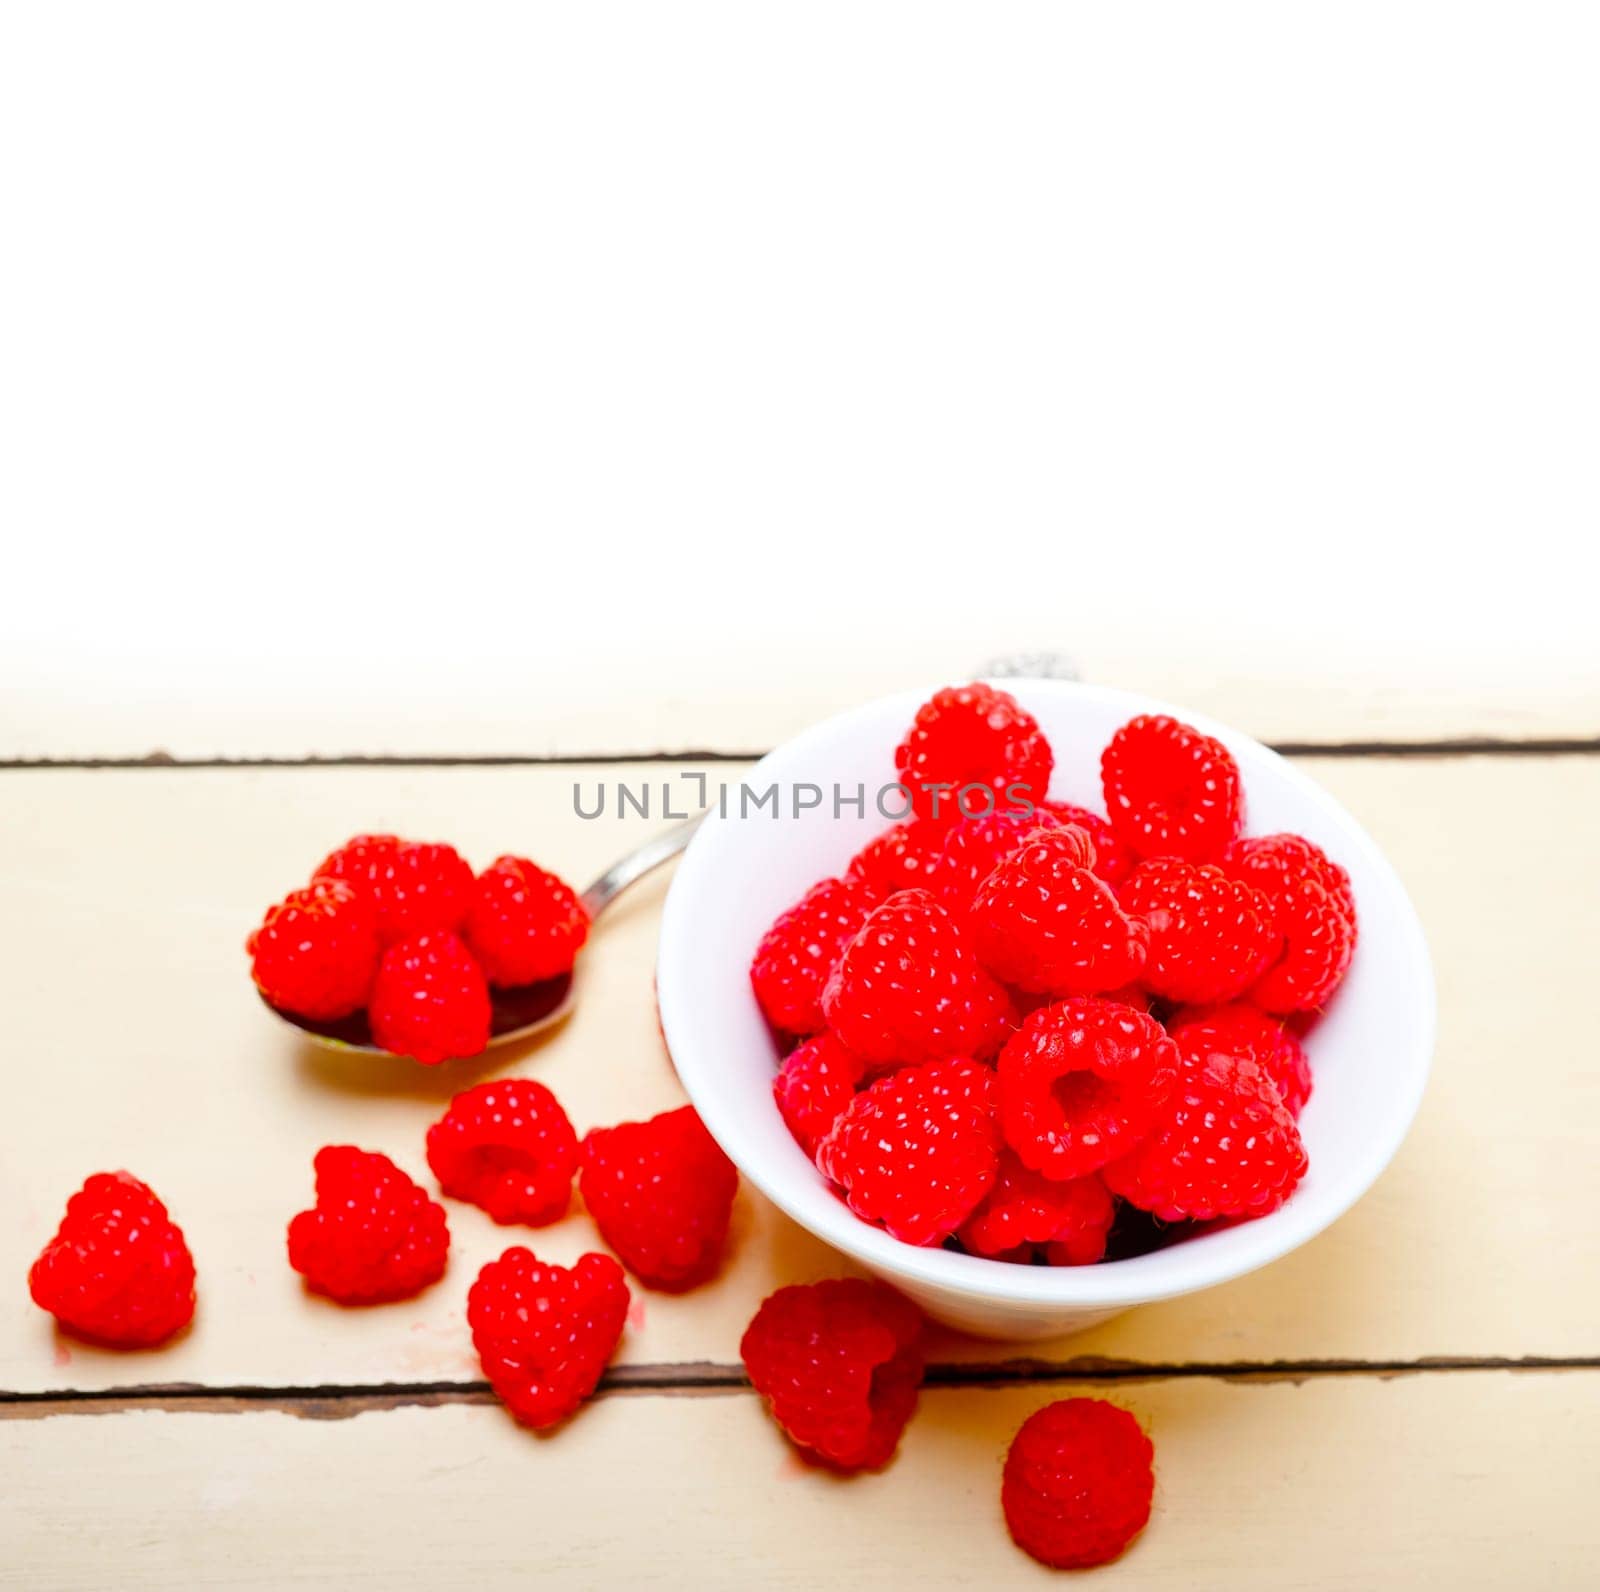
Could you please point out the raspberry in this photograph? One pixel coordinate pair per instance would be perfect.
(815, 1083)
(661, 1193)
(974, 847)
(430, 1001)
(1171, 791)
(839, 1364)
(1314, 909)
(799, 951)
(118, 1271)
(1024, 1208)
(1043, 922)
(1275, 863)
(901, 858)
(372, 1236)
(545, 1333)
(1078, 1483)
(973, 749)
(916, 1151)
(1242, 1030)
(1210, 936)
(524, 925)
(1225, 1145)
(909, 988)
(509, 1148)
(1082, 1082)
(1113, 860)
(416, 888)
(316, 952)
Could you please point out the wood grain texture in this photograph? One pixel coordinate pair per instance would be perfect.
(135, 1039)
(1481, 1480)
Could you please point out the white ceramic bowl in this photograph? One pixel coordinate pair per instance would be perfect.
(1369, 1053)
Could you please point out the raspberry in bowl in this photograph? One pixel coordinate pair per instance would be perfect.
(1110, 1039)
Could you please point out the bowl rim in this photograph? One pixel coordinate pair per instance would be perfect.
(1230, 1251)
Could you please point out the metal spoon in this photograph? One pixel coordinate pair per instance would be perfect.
(517, 1013)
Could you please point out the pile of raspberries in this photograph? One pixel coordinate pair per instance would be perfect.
(405, 933)
(999, 1024)
(1013, 1018)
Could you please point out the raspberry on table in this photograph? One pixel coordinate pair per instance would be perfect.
(910, 988)
(316, 952)
(545, 1333)
(901, 858)
(1225, 1145)
(1244, 1030)
(799, 951)
(1114, 860)
(1043, 922)
(1078, 1483)
(661, 1193)
(1081, 1082)
(372, 1236)
(973, 847)
(524, 925)
(416, 888)
(507, 1147)
(1211, 937)
(813, 1086)
(839, 1364)
(916, 1151)
(1171, 791)
(975, 740)
(1025, 1208)
(118, 1271)
(430, 1000)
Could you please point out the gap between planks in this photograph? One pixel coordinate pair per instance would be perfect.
(705, 1378)
(1464, 746)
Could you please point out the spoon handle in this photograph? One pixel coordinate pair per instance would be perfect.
(636, 864)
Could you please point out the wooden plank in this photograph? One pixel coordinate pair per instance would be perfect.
(135, 1039)
(1480, 1480)
(600, 711)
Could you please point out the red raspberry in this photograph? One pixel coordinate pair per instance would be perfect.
(1078, 1483)
(430, 1001)
(316, 952)
(1277, 863)
(1210, 936)
(372, 1236)
(1113, 860)
(974, 847)
(1315, 911)
(1043, 922)
(524, 925)
(118, 1271)
(1024, 1208)
(416, 888)
(545, 1333)
(1242, 1030)
(661, 1193)
(800, 950)
(815, 1083)
(1225, 1145)
(1081, 1082)
(971, 736)
(901, 858)
(916, 1151)
(839, 1364)
(1171, 791)
(509, 1148)
(909, 988)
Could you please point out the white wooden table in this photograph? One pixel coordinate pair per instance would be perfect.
(1412, 1397)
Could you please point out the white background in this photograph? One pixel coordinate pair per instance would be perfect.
(366, 364)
